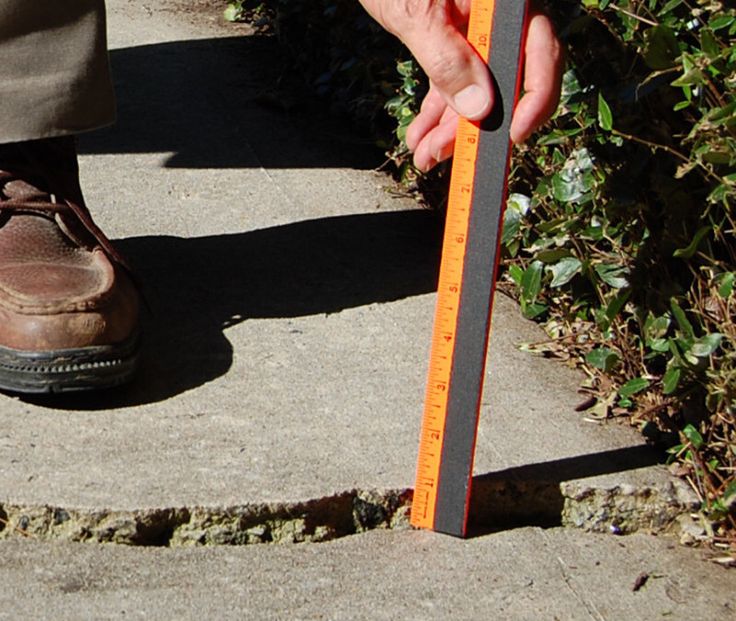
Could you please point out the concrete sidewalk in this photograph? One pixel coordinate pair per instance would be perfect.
(527, 574)
(281, 391)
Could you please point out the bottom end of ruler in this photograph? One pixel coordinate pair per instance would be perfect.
(452, 529)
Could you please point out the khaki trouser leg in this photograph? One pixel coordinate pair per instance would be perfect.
(54, 74)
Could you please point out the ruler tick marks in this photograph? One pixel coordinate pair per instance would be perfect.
(476, 200)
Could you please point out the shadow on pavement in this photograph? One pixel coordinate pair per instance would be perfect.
(198, 287)
(219, 103)
(530, 495)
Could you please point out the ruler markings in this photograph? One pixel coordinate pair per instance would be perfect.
(470, 249)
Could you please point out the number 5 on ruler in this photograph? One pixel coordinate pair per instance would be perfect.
(466, 286)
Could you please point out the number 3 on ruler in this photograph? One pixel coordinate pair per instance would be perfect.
(467, 279)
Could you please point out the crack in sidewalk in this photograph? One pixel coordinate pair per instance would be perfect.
(497, 505)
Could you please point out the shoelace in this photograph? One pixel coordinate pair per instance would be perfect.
(44, 202)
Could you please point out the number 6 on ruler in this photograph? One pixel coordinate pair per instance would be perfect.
(467, 279)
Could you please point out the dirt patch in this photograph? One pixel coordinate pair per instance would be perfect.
(207, 15)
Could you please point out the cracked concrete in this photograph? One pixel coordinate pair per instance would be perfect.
(620, 509)
(305, 522)
(281, 391)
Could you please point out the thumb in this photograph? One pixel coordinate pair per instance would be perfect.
(454, 67)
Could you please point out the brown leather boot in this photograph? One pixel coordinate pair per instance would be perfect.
(68, 309)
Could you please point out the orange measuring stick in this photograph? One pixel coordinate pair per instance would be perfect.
(470, 254)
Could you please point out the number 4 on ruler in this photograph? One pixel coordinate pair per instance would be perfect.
(466, 286)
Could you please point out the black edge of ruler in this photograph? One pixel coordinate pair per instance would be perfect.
(479, 274)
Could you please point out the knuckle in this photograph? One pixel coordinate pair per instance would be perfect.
(402, 15)
(445, 68)
(412, 9)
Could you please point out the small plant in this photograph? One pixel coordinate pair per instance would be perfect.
(254, 11)
(404, 107)
(235, 11)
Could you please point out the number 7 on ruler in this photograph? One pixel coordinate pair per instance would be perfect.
(470, 254)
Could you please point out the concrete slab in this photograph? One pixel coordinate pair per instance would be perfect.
(287, 346)
(522, 574)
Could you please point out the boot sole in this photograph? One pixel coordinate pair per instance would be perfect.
(68, 370)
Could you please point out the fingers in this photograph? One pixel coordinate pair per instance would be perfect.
(433, 107)
(460, 79)
(437, 145)
(429, 30)
(542, 78)
(455, 69)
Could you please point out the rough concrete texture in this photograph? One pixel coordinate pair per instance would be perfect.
(525, 574)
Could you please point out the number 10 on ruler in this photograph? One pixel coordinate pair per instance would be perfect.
(466, 286)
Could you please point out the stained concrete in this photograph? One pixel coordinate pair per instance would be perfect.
(525, 574)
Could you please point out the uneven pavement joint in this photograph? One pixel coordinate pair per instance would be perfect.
(497, 505)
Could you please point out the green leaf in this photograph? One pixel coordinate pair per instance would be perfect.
(709, 44)
(633, 386)
(564, 271)
(706, 345)
(552, 255)
(722, 112)
(605, 117)
(659, 345)
(693, 436)
(729, 496)
(694, 77)
(531, 281)
(530, 311)
(570, 85)
(667, 8)
(511, 224)
(617, 303)
(671, 379)
(612, 275)
(685, 326)
(405, 69)
(726, 284)
(517, 205)
(689, 251)
(719, 194)
(722, 21)
(602, 358)
(661, 49)
(232, 13)
(656, 327)
(717, 156)
(516, 274)
(575, 180)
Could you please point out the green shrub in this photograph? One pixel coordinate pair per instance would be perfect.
(624, 242)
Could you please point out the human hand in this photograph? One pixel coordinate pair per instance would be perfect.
(459, 82)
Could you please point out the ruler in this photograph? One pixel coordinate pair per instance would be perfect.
(470, 255)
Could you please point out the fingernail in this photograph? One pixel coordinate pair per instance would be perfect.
(444, 153)
(424, 167)
(471, 102)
